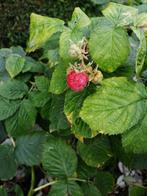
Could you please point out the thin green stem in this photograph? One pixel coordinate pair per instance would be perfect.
(44, 186)
(53, 182)
(13, 142)
(77, 179)
(30, 193)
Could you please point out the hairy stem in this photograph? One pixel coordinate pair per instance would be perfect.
(30, 193)
(44, 186)
(13, 142)
(77, 179)
(53, 182)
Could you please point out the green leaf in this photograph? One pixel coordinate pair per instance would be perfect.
(13, 89)
(14, 64)
(90, 190)
(74, 102)
(42, 83)
(95, 152)
(81, 129)
(41, 29)
(53, 42)
(59, 159)
(7, 162)
(106, 38)
(138, 161)
(111, 109)
(136, 191)
(39, 99)
(79, 19)
(141, 20)
(142, 8)
(3, 191)
(63, 188)
(32, 66)
(135, 139)
(120, 15)
(85, 171)
(7, 108)
(141, 54)
(45, 110)
(23, 120)
(24, 77)
(67, 38)
(18, 50)
(129, 64)
(29, 148)
(56, 115)
(52, 55)
(105, 182)
(51, 50)
(4, 53)
(58, 80)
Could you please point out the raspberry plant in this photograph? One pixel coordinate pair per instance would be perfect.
(81, 108)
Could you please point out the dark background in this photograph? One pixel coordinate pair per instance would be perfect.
(14, 16)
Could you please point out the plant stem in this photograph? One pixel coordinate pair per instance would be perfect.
(13, 142)
(53, 182)
(44, 186)
(30, 193)
(77, 179)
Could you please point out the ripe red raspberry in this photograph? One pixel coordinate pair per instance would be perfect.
(77, 80)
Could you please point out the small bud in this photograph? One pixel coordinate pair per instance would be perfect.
(74, 51)
(98, 77)
(78, 50)
(89, 69)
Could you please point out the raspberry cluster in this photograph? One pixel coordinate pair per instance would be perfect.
(80, 74)
(77, 80)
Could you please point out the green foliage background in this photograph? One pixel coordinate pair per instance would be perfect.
(41, 118)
